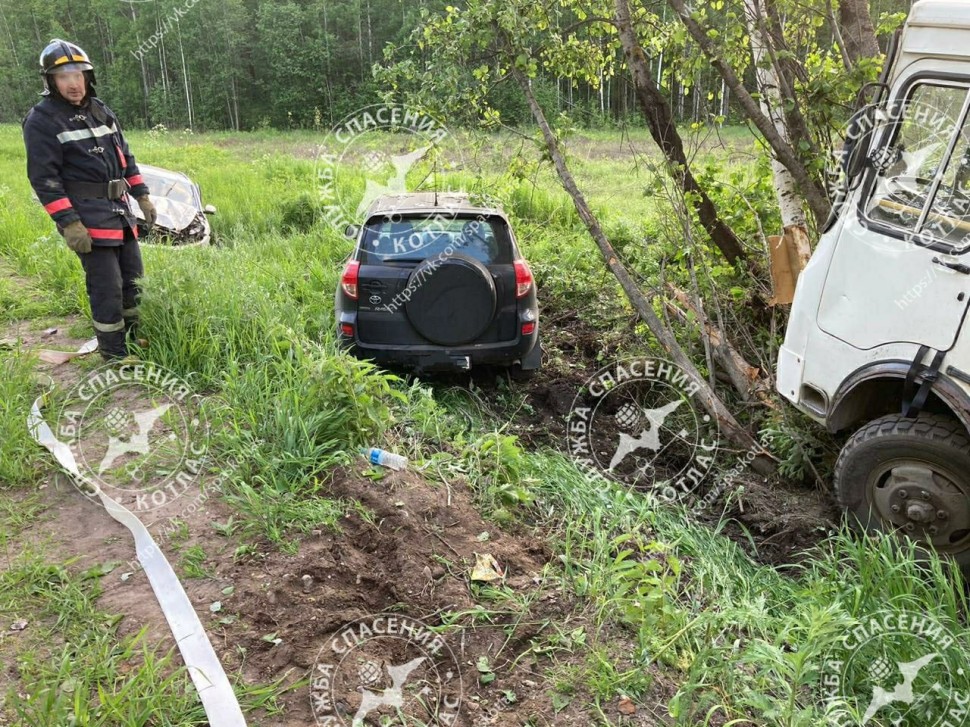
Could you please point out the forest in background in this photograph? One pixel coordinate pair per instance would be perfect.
(249, 64)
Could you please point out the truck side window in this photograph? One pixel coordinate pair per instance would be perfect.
(948, 219)
(917, 158)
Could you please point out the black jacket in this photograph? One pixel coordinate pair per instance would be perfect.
(68, 143)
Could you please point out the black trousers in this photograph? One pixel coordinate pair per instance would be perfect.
(111, 276)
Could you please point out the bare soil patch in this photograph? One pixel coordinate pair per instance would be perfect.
(409, 551)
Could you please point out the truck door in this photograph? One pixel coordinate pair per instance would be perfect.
(901, 269)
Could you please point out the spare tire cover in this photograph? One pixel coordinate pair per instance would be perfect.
(452, 302)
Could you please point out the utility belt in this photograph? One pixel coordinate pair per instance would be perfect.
(114, 190)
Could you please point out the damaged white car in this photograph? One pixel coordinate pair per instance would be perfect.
(182, 219)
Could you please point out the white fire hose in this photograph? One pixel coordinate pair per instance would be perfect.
(215, 691)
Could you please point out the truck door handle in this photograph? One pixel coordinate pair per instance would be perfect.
(959, 267)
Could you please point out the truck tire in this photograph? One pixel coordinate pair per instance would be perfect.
(910, 477)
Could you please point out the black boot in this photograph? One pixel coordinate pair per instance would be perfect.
(112, 345)
(131, 327)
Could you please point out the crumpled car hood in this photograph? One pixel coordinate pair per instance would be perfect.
(175, 218)
(172, 215)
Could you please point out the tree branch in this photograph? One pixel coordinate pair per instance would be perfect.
(809, 187)
(663, 129)
(763, 464)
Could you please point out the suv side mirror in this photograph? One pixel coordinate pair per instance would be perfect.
(351, 231)
(209, 209)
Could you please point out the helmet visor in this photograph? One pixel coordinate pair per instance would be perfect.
(71, 67)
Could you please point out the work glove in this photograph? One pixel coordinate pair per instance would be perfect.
(147, 209)
(77, 237)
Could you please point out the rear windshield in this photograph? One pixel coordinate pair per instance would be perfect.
(416, 239)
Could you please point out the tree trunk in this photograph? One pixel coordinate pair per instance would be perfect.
(185, 78)
(809, 187)
(745, 378)
(370, 39)
(837, 35)
(329, 75)
(660, 120)
(737, 434)
(786, 190)
(146, 113)
(858, 33)
(163, 68)
(360, 42)
(787, 71)
(232, 68)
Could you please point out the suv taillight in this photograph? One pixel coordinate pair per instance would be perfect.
(523, 278)
(348, 281)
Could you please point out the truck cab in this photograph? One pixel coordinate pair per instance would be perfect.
(877, 343)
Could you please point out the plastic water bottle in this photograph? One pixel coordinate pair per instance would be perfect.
(385, 458)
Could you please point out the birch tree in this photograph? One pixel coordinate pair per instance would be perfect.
(808, 182)
(795, 227)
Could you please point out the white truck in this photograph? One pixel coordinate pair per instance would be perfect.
(877, 342)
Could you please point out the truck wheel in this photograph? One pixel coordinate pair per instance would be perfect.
(910, 477)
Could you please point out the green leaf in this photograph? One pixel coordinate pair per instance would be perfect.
(560, 701)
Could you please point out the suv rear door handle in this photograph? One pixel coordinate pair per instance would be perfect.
(959, 267)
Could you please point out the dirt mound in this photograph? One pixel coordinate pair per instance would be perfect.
(409, 554)
(776, 522)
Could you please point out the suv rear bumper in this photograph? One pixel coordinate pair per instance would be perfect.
(525, 350)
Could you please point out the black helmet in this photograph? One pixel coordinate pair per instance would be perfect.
(61, 55)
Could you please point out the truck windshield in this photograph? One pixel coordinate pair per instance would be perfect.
(922, 186)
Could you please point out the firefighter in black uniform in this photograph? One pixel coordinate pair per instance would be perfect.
(80, 167)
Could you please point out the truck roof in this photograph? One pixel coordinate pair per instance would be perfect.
(935, 29)
(940, 13)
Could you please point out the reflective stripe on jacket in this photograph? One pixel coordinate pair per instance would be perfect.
(68, 143)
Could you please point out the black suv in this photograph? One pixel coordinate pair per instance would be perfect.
(435, 283)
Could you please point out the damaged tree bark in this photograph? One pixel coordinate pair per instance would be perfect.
(660, 121)
(745, 378)
(731, 428)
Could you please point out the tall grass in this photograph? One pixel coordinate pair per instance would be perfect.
(749, 640)
(18, 451)
(51, 274)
